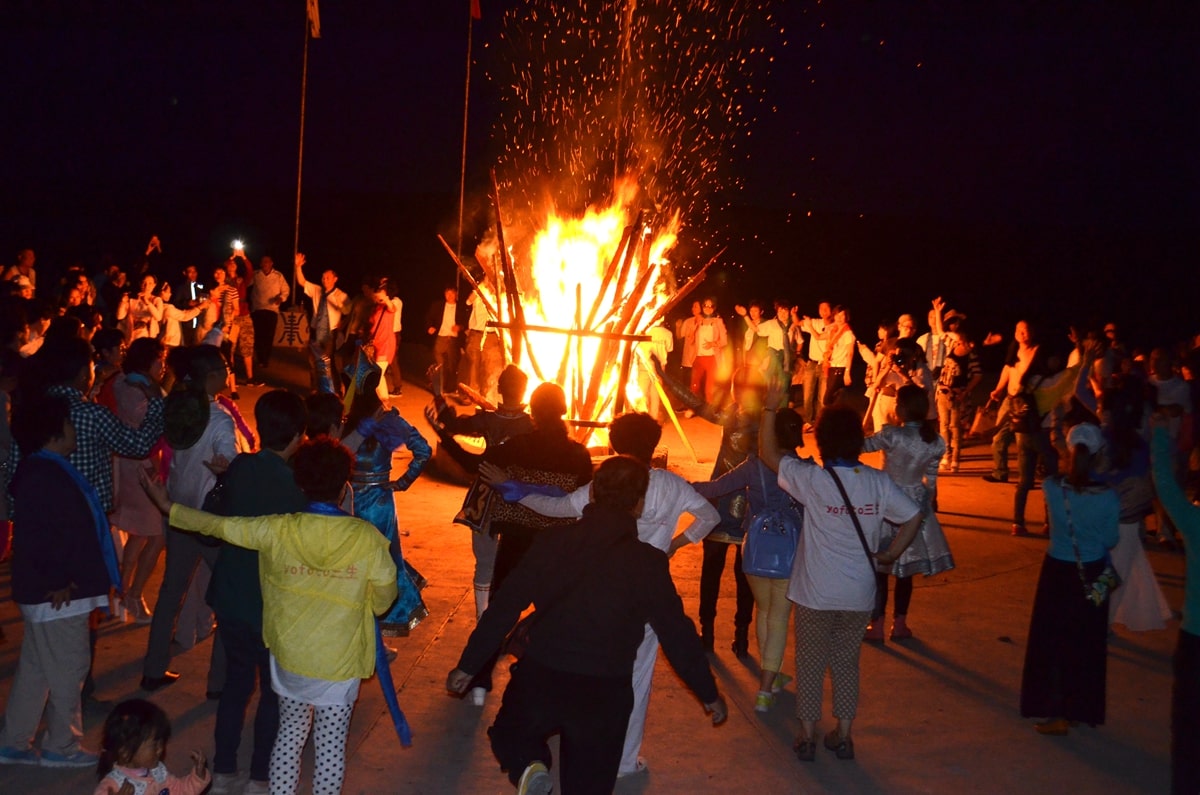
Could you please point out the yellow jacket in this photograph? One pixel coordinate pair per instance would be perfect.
(324, 579)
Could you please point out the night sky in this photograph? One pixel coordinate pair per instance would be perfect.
(988, 147)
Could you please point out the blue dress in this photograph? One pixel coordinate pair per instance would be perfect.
(374, 501)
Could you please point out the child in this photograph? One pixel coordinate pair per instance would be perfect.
(912, 452)
(135, 739)
(324, 575)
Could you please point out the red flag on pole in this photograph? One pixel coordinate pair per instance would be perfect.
(314, 19)
(475, 12)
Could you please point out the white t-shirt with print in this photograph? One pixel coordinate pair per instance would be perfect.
(831, 570)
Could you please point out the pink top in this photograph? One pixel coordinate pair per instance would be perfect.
(156, 781)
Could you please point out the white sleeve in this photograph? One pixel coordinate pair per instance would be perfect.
(569, 506)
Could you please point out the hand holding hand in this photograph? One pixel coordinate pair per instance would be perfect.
(458, 681)
(155, 490)
(491, 474)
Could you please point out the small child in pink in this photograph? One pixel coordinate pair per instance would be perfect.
(135, 740)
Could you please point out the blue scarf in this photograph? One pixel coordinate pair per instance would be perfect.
(108, 549)
(847, 463)
(384, 673)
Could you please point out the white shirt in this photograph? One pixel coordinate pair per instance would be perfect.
(397, 307)
(447, 327)
(190, 479)
(479, 314)
(268, 286)
(668, 497)
(776, 338)
(843, 349)
(831, 570)
(309, 690)
(818, 341)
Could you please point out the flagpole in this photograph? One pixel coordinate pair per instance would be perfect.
(300, 160)
(462, 179)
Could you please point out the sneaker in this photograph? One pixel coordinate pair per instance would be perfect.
(257, 788)
(15, 756)
(954, 466)
(944, 465)
(1019, 530)
(478, 696)
(990, 478)
(639, 766)
(535, 780)
(780, 682)
(226, 784)
(80, 758)
(874, 633)
(842, 747)
(764, 701)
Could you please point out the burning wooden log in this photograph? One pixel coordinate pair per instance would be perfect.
(691, 284)
(509, 275)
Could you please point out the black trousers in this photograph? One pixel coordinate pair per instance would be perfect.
(1185, 716)
(514, 542)
(246, 662)
(711, 569)
(589, 713)
(264, 321)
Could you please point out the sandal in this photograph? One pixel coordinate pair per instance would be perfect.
(805, 749)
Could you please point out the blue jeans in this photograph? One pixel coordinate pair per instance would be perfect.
(245, 657)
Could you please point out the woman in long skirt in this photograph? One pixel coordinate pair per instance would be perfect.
(1067, 653)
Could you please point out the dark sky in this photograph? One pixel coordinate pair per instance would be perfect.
(1046, 114)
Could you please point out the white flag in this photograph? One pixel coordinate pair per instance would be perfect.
(314, 19)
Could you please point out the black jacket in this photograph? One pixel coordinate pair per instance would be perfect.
(595, 587)
(54, 536)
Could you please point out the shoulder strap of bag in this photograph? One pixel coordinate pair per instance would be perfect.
(853, 517)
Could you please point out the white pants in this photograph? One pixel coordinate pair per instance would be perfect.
(643, 677)
(54, 662)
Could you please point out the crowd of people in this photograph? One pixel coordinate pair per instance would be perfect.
(125, 440)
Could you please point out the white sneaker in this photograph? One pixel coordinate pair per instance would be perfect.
(478, 696)
(226, 784)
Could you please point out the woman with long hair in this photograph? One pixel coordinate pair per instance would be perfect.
(373, 433)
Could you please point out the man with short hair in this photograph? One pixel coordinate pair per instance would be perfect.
(270, 292)
(445, 320)
(329, 303)
(23, 268)
(256, 484)
(814, 374)
(596, 586)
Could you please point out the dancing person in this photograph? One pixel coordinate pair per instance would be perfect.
(202, 438)
(329, 302)
(1066, 658)
(669, 498)
(373, 433)
(445, 321)
(317, 683)
(575, 676)
(135, 741)
(762, 492)
(270, 292)
(709, 339)
(509, 419)
(839, 355)
(815, 376)
(63, 566)
(833, 577)
(959, 376)
(133, 513)
(1022, 358)
(912, 451)
(546, 455)
(256, 484)
(1185, 688)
